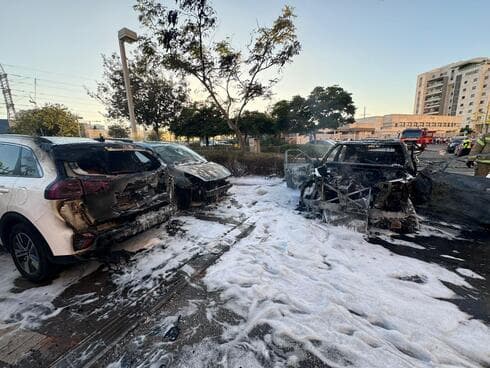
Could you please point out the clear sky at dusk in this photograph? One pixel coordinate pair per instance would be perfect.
(372, 48)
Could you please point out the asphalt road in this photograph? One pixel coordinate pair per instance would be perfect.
(437, 154)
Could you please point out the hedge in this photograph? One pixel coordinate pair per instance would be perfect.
(247, 163)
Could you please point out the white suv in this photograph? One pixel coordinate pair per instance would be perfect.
(64, 198)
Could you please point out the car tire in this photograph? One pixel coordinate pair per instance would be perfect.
(30, 253)
(183, 198)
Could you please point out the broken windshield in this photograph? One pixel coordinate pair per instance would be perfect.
(368, 154)
(102, 162)
(177, 154)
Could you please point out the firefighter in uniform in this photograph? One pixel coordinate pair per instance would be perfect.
(480, 153)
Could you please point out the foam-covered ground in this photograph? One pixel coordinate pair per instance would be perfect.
(296, 290)
(344, 300)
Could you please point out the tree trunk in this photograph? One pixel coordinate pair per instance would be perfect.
(155, 129)
(241, 139)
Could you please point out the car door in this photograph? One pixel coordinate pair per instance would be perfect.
(28, 193)
(9, 169)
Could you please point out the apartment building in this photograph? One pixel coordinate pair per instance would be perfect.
(458, 89)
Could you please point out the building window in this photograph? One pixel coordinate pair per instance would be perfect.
(465, 81)
(464, 89)
(471, 103)
(472, 95)
(482, 101)
(462, 97)
(460, 112)
(469, 111)
(474, 87)
(474, 80)
(461, 105)
(485, 85)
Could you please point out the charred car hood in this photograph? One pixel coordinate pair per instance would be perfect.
(206, 171)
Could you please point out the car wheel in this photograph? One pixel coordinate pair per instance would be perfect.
(183, 198)
(29, 252)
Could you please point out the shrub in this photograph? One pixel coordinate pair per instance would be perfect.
(240, 163)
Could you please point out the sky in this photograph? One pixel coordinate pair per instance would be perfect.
(372, 48)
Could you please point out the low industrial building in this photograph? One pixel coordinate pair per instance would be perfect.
(388, 127)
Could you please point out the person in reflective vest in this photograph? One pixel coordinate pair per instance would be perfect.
(480, 154)
(465, 147)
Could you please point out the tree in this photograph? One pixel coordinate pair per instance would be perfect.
(50, 120)
(118, 131)
(331, 107)
(200, 120)
(157, 99)
(466, 130)
(255, 123)
(182, 39)
(292, 116)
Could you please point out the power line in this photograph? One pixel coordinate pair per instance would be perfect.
(49, 72)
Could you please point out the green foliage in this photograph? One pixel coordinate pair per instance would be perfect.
(118, 131)
(157, 100)
(182, 39)
(466, 130)
(153, 136)
(200, 120)
(329, 107)
(50, 120)
(255, 123)
(244, 163)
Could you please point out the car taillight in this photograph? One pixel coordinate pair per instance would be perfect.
(68, 188)
(71, 188)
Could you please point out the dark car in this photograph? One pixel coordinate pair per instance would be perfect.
(453, 144)
(197, 181)
(364, 181)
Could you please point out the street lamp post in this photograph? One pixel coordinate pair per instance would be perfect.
(126, 35)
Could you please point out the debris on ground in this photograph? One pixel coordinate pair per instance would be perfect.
(365, 184)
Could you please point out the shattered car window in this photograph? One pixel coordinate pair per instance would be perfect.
(115, 162)
(369, 154)
(177, 154)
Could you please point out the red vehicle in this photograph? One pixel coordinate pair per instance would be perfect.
(421, 137)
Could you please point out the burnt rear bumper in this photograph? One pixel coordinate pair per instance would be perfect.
(134, 225)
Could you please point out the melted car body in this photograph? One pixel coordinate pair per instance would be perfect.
(106, 191)
(366, 183)
(197, 181)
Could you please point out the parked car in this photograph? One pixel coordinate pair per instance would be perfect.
(197, 181)
(64, 198)
(453, 144)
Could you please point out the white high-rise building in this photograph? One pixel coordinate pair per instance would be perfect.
(458, 89)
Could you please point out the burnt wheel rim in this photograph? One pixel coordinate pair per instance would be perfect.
(26, 253)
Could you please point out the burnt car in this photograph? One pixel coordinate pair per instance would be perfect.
(197, 181)
(64, 198)
(364, 184)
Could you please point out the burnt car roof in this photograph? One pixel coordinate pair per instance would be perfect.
(387, 142)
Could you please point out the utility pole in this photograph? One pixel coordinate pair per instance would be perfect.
(126, 35)
(7, 95)
(364, 116)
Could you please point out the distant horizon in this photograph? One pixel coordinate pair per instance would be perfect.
(373, 49)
